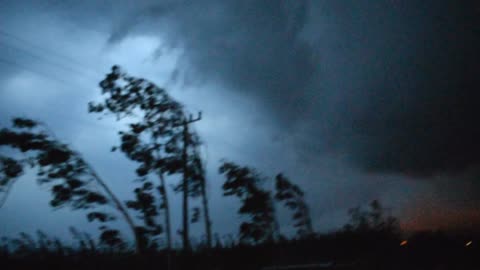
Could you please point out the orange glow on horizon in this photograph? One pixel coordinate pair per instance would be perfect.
(430, 218)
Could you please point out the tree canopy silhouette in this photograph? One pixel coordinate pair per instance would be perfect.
(155, 139)
(373, 219)
(293, 198)
(257, 204)
(73, 182)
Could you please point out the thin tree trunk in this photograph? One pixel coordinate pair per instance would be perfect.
(309, 219)
(208, 223)
(275, 225)
(163, 192)
(7, 192)
(120, 208)
(166, 204)
(185, 186)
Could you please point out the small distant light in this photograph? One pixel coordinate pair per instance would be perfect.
(404, 243)
(468, 243)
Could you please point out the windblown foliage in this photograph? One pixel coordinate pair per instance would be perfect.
(145, 204)
(72, 181)
(293, 198)
(257, 204)
(155, 137)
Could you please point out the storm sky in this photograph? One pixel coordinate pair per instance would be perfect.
(353, 100)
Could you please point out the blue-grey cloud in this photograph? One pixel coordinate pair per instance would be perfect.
(391, 83)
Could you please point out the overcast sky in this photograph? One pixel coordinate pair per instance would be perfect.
(353, 100)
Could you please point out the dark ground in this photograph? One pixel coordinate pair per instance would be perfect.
(346, 251)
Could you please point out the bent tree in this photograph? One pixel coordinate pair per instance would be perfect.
(73, 181)
(198, 175)
(154, 138)
(150, 138)
(293, 198)
(257, 204)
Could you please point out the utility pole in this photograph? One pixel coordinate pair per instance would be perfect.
(185, 232)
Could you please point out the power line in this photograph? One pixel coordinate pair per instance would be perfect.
(15, 37)
(82, 67)
(45, 75)
(50, 51)
(46, 60)
(20, 66)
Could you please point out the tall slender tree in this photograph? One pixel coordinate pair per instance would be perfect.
(153, 136)
(201, 176)
(155, 139)
(73, 181)
(197, 184)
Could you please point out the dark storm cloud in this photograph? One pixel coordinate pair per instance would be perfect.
(391, 84)
(253, 47)
(411, 105)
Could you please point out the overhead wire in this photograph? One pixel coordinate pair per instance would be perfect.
(20, 66)
(73, 66)
(46, 60)
(41, 48)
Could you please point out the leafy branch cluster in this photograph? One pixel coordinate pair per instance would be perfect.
(257, 204)
(156, 139)
(145, 203)
(70, 178)
(293, 198)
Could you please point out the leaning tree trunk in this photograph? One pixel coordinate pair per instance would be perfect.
(163, 193)
(208, 223)
(122, 210)
(309, 220)
(275, 225)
